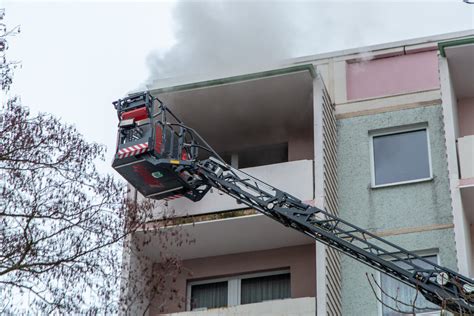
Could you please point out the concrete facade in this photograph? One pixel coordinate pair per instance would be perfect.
(425, 207)
(412, 205)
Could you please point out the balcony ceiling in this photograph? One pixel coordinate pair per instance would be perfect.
(231, 235)
(461, 67)
(245, 110)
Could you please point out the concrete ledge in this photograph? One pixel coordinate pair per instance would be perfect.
(409, 230)
(305, 306)
(388, 104)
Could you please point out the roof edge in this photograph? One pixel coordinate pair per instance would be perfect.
(383, 46)
(457, 42)
(238, 78)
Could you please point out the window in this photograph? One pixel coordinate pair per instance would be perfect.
(243, 289)
(400, 157)
(404, 293)
(210, 295)
(265, 288)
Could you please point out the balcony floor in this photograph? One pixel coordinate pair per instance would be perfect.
(232, 235)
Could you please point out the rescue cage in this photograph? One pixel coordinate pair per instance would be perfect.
(152, 143)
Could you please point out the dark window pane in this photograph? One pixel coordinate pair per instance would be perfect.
(403, 293)
(401, 157)
(265, 288)
(211, 295)
(263, 155)
(258, 156)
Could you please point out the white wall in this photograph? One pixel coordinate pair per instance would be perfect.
(294, 177)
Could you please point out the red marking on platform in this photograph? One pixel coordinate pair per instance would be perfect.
(137, 114)
(132, 150)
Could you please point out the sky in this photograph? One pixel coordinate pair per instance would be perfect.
(79, 56)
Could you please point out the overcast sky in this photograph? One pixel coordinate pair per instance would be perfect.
(79, 56)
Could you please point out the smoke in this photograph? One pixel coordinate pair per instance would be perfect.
(216, 36)
(230, 37)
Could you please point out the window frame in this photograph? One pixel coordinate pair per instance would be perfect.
(394, 131)
(233, 285)
(378, 277)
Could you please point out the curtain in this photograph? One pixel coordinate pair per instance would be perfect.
(211, 295)
(403, 293)
(273, 287)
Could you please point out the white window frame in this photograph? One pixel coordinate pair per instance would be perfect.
(233, 285)
(378, 277)
(393, 131)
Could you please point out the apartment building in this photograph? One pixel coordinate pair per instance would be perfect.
(382, 136)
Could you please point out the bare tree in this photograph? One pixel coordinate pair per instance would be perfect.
(411, 307)
(63, 223)
(6, 66)
(61, 219)
(58, 214)
(151, 283)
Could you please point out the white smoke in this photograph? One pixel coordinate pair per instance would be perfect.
(227, 37)
(215, 36)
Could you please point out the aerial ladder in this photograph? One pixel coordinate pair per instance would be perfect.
(165, 159)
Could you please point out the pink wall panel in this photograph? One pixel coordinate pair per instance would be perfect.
(466, 117)
(392, 75)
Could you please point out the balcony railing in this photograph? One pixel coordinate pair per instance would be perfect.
(466, 156)
(294, 177)
(305, 306)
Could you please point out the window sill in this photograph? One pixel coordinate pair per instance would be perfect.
(379, 186)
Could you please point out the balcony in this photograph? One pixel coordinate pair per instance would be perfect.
(457, 78)
(461, 71)
(305, 306)
(269, 125)
(294, 177)
(261, 123)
